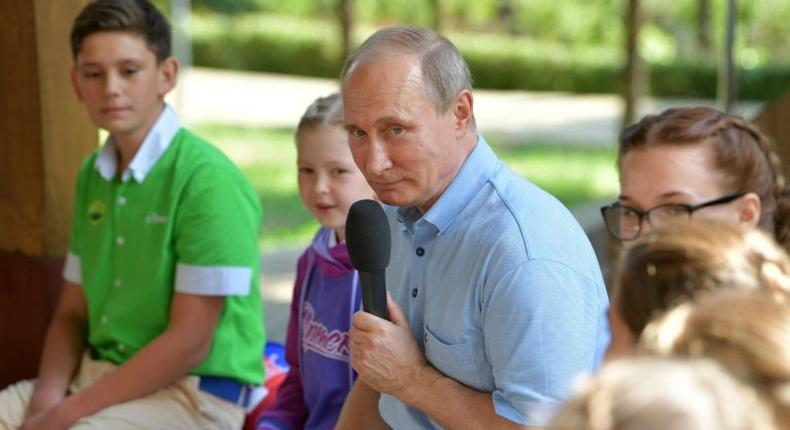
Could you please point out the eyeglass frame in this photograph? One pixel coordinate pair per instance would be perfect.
(690, 209)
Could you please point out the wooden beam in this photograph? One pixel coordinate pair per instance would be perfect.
(46, 134)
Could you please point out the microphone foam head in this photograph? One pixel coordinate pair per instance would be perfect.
(368, 236)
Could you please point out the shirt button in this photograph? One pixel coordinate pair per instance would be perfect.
(121, 347)
(426, 338)
(420, 252)
(118, 283)
(122, 200)
(414, 292)
(119, 240)
(104, 319)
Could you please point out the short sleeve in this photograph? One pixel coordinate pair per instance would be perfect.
(216, 233)
(557, 317)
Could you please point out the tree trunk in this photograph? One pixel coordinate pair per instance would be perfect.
(634, 72)
(437, 15)
(703, 27)
(345, 16)
(727, 78)
(506, 14)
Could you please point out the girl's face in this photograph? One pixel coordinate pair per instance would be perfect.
(329, 181)
(669, 174)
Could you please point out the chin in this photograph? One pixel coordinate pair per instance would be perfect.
(394, 199)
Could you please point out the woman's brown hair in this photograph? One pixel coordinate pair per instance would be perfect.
(739, 150)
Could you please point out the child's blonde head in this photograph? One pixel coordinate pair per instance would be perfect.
(323, 111)
(748, 332)
(659, 394)
(682, 260)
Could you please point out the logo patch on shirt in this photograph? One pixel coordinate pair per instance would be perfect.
(318, 338)
(96, 212)
(155, 218)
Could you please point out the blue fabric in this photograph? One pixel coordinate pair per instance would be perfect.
(502, 291)
(227, 389)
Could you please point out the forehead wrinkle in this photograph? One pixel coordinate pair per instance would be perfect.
(390, 99)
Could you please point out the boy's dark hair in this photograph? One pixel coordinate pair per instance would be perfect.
(135, 16)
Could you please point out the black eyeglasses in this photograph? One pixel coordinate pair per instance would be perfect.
(625, 223)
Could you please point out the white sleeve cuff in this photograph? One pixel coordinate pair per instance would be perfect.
(213, 280)
(71, 270)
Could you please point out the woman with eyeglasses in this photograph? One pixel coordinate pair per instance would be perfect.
(693, 163)
(697, 162)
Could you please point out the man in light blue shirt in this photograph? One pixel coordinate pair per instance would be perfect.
(497, 298)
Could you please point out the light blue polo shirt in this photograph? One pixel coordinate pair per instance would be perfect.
(502, 291)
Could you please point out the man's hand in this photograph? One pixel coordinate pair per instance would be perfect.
(384, 353)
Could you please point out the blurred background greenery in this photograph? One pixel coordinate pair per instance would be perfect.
(573, 173)
(539, 45)
(575, 46)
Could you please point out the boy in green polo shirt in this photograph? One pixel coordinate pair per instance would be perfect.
(160, 322)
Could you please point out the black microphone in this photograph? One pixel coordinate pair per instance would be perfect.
(368, 241)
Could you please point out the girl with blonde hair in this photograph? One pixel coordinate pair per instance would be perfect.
(683, 260)
(659, 394)
(748, 332)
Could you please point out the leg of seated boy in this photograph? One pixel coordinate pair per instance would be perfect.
(14, 401)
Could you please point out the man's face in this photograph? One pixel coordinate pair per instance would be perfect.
(405, 148)
(120, 83)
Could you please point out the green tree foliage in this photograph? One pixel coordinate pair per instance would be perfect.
(565, 45)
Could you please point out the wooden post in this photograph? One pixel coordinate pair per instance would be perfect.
(45, 136)
(633, 72)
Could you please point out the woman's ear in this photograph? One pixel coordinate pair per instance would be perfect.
(749, 209)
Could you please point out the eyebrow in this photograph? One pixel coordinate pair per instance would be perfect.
(121, 62)
(384, 120)
(664, 195)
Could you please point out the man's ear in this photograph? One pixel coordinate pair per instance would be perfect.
(168, 75)
(463, 114)
(749, 209)
(73, 76)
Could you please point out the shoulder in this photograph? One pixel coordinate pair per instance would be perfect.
(199, 153)
(203, 165)
(522, 222)
(87, 167)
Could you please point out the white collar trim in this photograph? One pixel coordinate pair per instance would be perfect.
(152, 148)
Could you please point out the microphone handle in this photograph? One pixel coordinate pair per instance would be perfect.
(374, 293)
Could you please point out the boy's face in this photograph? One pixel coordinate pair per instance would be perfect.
(117, 78)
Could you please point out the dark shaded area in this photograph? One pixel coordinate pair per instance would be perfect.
(32, 287)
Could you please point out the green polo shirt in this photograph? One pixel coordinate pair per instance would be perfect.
(190, 225)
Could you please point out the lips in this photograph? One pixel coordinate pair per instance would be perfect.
(382, 185)
(114, 110)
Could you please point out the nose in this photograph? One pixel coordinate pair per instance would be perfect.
(378, 160)
(644, 226)
(112, 84)
(321, 184)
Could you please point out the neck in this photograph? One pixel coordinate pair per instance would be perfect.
(126, 152)
(129, 143)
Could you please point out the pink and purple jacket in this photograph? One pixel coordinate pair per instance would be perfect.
(326, 295)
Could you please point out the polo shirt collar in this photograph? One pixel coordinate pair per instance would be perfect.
(154, 145)
(478, 169)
